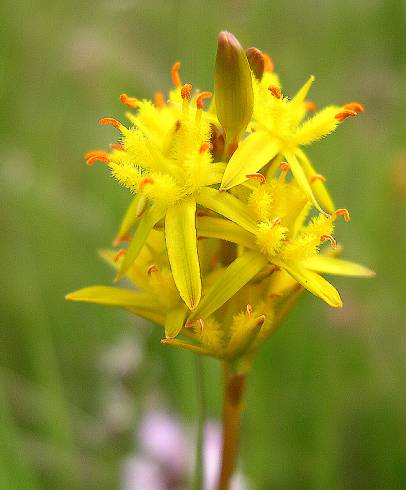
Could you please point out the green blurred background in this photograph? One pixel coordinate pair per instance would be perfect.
(326, 405)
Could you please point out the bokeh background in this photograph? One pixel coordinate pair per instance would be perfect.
(326, 404)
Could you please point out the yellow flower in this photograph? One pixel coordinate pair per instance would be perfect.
(278, 129)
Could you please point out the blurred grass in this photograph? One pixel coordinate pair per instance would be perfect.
(326, 406)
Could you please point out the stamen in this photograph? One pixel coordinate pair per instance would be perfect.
(97, 156)
(315, 177)
(145, 181)
(355, 106)
(117, 146)
(343, 212)
(276, 221)
(249, 311)
(204, 147)
(332, 240)
(185, 91)
(268, 63)
(159, 100)
(130, 101)
(199, 100)
(110, 120)
(341, 116)
(257, 176)
(175, 74)
(310, 106)
(152, 268)
(120, 254)
(284, 166)
(92, 153)
(201, 324)
(122, 238)
(275, 91)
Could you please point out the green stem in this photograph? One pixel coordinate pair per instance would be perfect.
(200, 417)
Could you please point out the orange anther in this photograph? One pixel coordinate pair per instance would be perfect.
(284, 166)
(268, 63)
(117, 146)
(249, 310)
(120, 254)
(145, 181)
(204, 147)
(203, 95)
(310, 106)
(185, 91)
(130, 101)
(341, 116)
(257, 176)
(343, 212)
(92, 153)
(97, 156)
(276, 221)
(315, 177)
(110, 120)
(122, 238)
(159, 99)
(355, 106)
(152, 268)
(275, 91)
(175, 74)
(332, 240)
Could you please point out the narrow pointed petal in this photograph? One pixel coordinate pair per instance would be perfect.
(237, 274)
(318, 187)
(301, 95)
(251, 155)
(242, 339)
(196, 349)
(228, 206)
(216, 173)
(301, 178)
(129, 219)
(139, 303)
(180, 235)
(175, 319)
(145, 225)
(224, 230)
(111, 296)
(338, 267)
(314, 283)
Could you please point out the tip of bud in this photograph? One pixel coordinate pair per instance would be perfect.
(257, 62)
(233, 87)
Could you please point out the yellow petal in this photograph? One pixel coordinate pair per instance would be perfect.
(224, 230)
(314, 283)
(145, 225)
(237, 274)
(196, 349)
(301, 178)
(228, 206)
(174, 322)
(132, 213)
(180, 235)
(319, 188)
(321, 124)
(332, 265)
(251, 155)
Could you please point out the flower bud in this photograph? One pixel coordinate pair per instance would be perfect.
(233, 87)
(256, 61)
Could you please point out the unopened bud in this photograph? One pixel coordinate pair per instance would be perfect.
(233, 87)
(256, 61)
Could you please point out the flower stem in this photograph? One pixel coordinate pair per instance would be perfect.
(234, 386)
(200, 417)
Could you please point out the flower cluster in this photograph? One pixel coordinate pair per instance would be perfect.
(230, 221)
